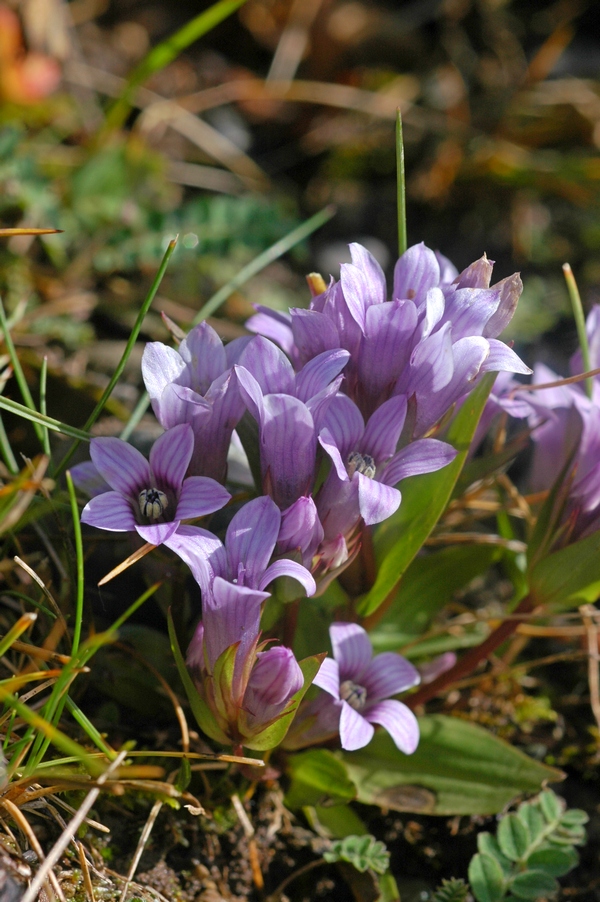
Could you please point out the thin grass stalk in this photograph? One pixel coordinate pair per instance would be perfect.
(15, 631)
(89, 729)
(400, 187)
(255, 266)
(6, 451)
(126, 353)
(579, 317)
(163, 54)
(18, 371)
(43, 410)
(55, 425)
(138, 412)
(79, 565)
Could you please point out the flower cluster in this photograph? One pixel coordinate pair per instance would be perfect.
(335, 405)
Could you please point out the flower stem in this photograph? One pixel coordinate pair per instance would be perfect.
(580, 324)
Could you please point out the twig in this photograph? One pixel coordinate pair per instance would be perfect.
(145, 835)
(18, 816)
(87, 880)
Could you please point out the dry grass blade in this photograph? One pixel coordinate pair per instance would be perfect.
(145, 836)
(69, 833)
(9, 233)
(132, 559)
(44, 589)
(87, 880)
(19, 818)
(589, 615)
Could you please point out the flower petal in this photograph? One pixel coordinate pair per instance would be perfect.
(161, 365)
(376, 500)
(121, 465)
(273, 324)
(422, 456)
(327, 442)
(351, 649)
(345, 424)
(319, 372)
(269, 366)
(355, 731)
(328, 677)
(503, 359)
(157, 533)
(203, 352)
(383, 429)
(109, 510)
(251, 538)
(399, 721)
(170, 456)
(202, 551)
(200, 496)
(415, 273)
(388, 674)
(87, 479)
(285, 567)
(314, 333)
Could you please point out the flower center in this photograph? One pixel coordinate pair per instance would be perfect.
(153, 503)
(354, 694)
(360, 463)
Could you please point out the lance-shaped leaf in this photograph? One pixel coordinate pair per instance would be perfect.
(458, 768)
(424, 499)
(569, 577)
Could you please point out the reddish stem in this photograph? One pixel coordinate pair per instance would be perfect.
(469, 661)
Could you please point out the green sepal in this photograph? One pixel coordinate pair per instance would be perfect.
(204, 716)
(424, 499)
(275, 732)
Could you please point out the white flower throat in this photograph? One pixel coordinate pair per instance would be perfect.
(354, 694)
(153, 503)
(360, 463)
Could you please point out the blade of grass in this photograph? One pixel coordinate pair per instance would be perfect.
(163, 54)
(43, 410)
(55, 425)
(15, 631)
(18, 371)
(6, 451)
(138, 412)
(89, 729)
(400, 186)
(125, 357)
(579, 318)
(79, 564)
(255, 266)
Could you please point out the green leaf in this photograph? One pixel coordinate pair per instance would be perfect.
(274, 734)
(513, 837)
(458, 768)
(424, 499)
(427, 586)
(486, 878)
(555, 862)
(552, 805)
(204, 716)
(489, 844)
(574, 817)
(569, 577)
(335, 821)
(184, 775)
(533, 885)
(530, 816)
(318, 778)
(363, 852)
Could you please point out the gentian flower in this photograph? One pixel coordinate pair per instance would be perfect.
(195, 384)
(361, 685)
(367, 467)
(150, 498)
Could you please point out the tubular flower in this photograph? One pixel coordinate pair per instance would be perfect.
(151, 497)
(361, 685)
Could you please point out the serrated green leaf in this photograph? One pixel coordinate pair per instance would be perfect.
(569, 577)
(556, 862)
(458, 768)
(318, 778)
(513, 837)
(552, 806)
(489, 845)
(363, 852)
(529, 814)
(424, 499)
(274, 734)
(486, 878)
(202, 713)
(533, 885)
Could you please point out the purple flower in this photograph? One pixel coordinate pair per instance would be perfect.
(195, 385)
(300, 530)
(366, 466)
(361, 686)
(152, 497)
(432, 340)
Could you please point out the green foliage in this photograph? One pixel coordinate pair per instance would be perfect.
(453, 890)
(532, 848)
(365, 853)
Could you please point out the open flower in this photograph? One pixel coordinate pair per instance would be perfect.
(361, 686)
(151, 497)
